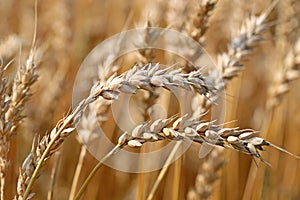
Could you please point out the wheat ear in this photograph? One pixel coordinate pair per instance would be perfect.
(14, 106)
(247, 37)
(182, 129)
(148, 77)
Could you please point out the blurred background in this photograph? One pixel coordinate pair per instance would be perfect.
(68, 30)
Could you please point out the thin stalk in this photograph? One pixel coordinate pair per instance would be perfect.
(53, 175)
(96, 168)
(176, 179)
(141, 180)
(77, 172)
(164, 170)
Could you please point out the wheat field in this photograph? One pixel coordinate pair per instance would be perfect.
(230, 87)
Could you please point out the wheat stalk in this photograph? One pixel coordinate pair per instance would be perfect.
(150, 77)
(240, 140)
(53, 176)
(77, 172)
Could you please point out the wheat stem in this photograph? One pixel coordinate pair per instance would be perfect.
(53, 176)
(164, 170)
(77, 172)
(95, 169)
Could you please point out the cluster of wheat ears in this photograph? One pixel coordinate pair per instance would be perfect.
(37, 161)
